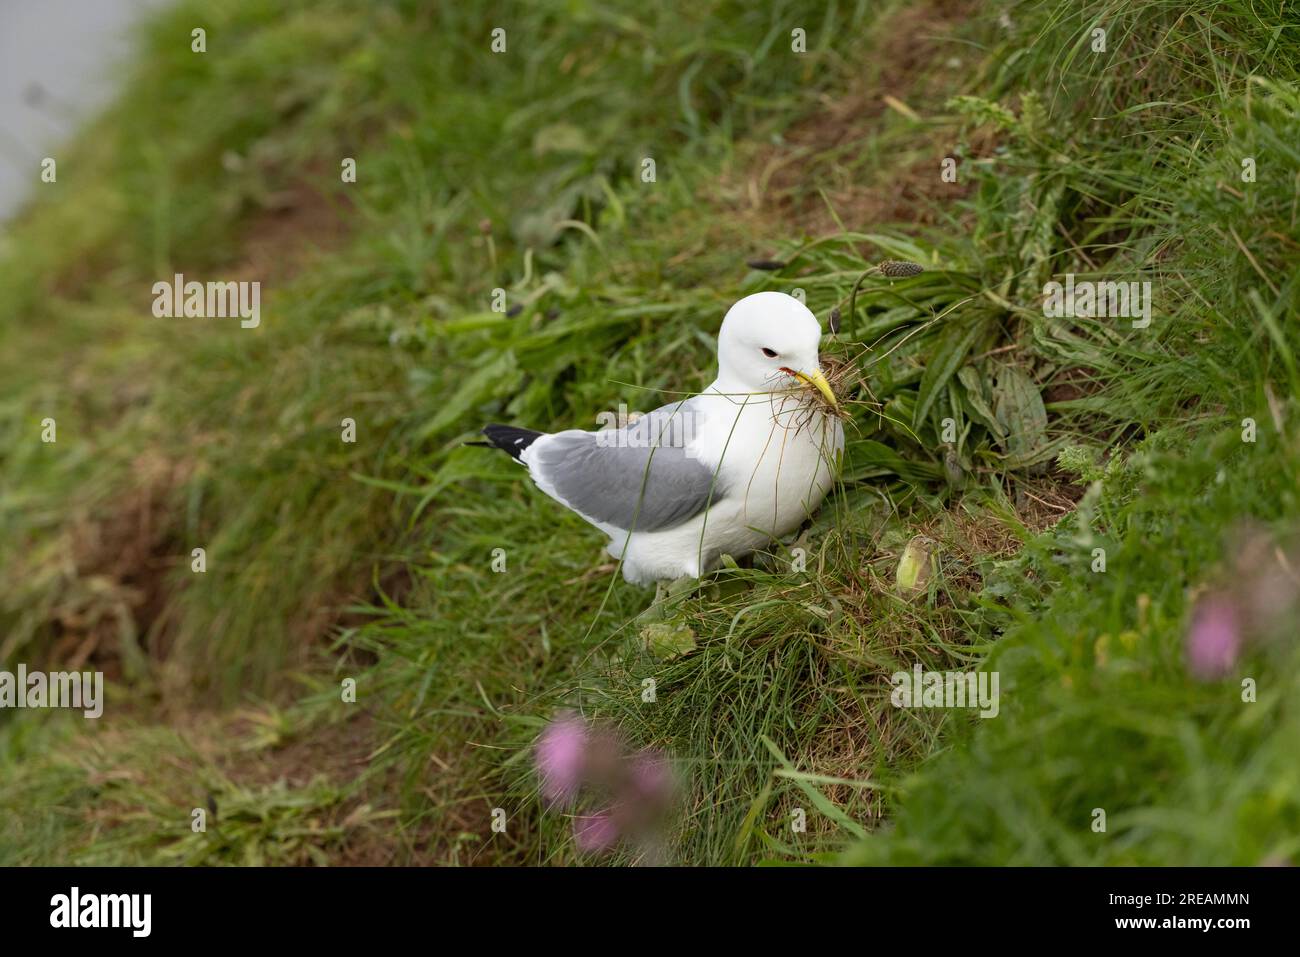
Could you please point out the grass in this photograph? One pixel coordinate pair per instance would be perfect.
(1014, 442)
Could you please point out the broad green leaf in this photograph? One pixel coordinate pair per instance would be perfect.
(948, 356)
(1019, 408)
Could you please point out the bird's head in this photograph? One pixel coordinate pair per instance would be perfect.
(769, 343)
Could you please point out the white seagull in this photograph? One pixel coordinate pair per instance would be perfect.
(720, 473)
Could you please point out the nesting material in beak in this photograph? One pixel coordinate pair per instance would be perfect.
(817, 380)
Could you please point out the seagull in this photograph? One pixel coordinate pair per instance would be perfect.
(723, 472)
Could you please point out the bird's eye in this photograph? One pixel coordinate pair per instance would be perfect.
(769, 353)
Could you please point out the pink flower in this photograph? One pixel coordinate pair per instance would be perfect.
(562, 758)
(1214, 638)
(652, 778)
(590, 766)
(595, 833)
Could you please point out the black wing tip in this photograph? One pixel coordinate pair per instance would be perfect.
(511, 439)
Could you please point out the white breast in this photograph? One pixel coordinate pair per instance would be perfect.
(779, 462)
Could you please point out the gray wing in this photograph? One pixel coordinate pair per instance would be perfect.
(637, 477)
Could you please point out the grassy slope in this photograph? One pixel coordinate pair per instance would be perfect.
(1101, 711)
(230, 439)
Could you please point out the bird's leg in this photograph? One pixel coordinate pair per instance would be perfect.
(668, 594)
(680, 588)
(655, 610)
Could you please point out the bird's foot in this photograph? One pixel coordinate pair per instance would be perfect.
(668, 595)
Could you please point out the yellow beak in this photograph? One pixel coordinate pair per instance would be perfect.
(818, 382)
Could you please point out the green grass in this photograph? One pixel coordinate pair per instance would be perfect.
(1101, 713)
(521, 171)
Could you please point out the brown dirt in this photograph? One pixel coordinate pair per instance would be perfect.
(1043, 501)
(777, 179)
(284, 238)
(241, 748)
(339, 752)
(122, 558)
(123, 554)
(1069, 384)
(342, 751)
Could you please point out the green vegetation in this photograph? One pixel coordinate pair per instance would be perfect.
(1014, 442)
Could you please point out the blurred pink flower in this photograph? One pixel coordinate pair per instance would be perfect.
(595, 833)
(652, 778)
(562, 757)
(1214, 638)
(591, 766)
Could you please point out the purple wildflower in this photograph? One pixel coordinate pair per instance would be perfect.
(596, 833)
(562, 758)
(652, 778)
(1214, 638)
